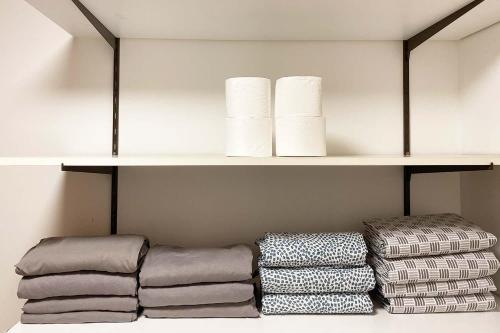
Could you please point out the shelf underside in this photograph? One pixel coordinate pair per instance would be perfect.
(218, 160)
(269, 19)
(380, 322)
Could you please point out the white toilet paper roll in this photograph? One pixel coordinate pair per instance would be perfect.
(248, 97)
(300, 136)
(249, 137)
(298, 96)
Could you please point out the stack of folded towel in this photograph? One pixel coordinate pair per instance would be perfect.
(197, 283)
(315, 273)
(432, 263)
(81, 279)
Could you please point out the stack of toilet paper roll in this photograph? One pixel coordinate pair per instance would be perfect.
(249, 126)
(300, 125)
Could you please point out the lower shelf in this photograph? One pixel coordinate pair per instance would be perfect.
(380, 321)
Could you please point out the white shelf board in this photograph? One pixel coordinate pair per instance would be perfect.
(219, 160)
(380, 322)
(269, 19)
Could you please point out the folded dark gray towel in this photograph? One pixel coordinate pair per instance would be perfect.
(196, 294)
(77, 284)
(114, 254)
(230, 310)
(79, 317)
(168, 266)
(81, 303)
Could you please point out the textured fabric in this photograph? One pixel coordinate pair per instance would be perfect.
(465, 303)
(79, 317)
(77, 284)
(463, 266)
(306, 250)
(81, 303)
(316, 280)
(167, 266)
(426, 235)
(196, 294)
(437, 289)
(316, 303)
(114, 254)
(231, 310)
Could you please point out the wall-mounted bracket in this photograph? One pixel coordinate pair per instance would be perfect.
(107, 170)
(409, 170)
(411, 44)
(408, 46)
(114, 42)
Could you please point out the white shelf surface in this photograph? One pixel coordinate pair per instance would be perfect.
(269, 19)
(219, 160)
(380, 322)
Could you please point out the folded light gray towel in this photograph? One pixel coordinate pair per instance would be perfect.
(425, 235)
(436, 289)
(196, 294)
(230, 310)
(463, 303)
(114, 254)
(79, 317)
(77, 284)
(460, 266)
(168, 266)
(81, 303)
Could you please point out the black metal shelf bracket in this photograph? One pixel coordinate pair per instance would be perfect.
(408, 46)
(410, 170)
(105, 170)
(411, 44)
(114, 42)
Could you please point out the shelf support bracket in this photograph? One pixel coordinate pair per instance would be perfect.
(411, 44)
(409, 170)
(105, 170)
(408, 46)
(114, 42)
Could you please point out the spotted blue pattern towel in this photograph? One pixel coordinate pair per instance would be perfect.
(316, 303)
(312, 250)
(317, 280)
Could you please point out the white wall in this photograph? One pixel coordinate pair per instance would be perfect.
(55, 90)
(172, 92)
(434, 99)
(55, 99)
(480, 98)
(225, 205)
(480, 91)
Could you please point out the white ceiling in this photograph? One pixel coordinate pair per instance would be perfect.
(270, 19)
